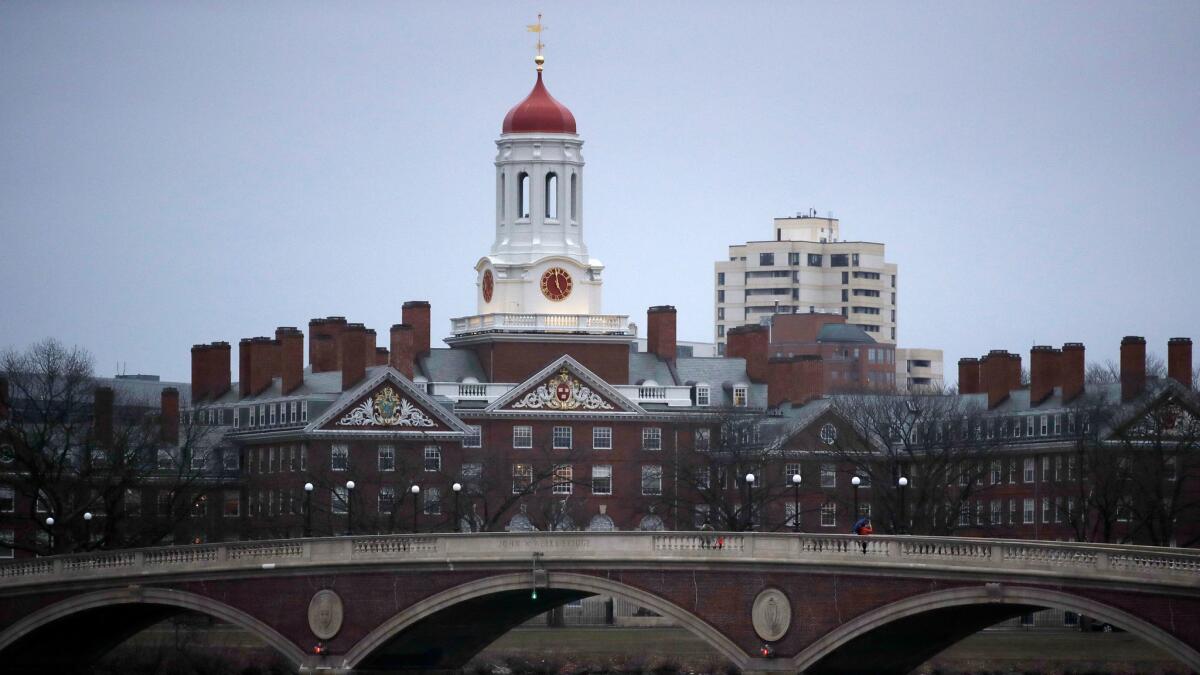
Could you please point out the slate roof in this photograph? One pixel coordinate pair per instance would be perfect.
(450, 365)
(721, 373)
(844, 332)
(647, 366)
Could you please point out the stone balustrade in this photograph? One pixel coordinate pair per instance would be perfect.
(878, 553)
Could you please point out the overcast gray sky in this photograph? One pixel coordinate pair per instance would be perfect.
(182, 172)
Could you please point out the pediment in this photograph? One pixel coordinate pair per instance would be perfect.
(1167, 418)
(389, 402)
(564, 386)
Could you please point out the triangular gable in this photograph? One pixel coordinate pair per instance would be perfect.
(389, 402)
(1173, 412)
(564, 386)
(813, 417)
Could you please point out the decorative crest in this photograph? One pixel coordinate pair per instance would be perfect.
(386, 409)
(563, 392)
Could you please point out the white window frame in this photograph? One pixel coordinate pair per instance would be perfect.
(651, 479)
(829, 514)
(237, 499)
(562, 438)
(431, 501)
(386, 457)
(303, 411)
(339, 500)
(293, 410)
(602, 438)
(1028, 513)
(475, 438)
(702, 439)
(828, 475)
(602, 472)
(522, 437)
(703, 395)
(433, 459)
(339, 451)
(1029, 470)
(652, 438)
(522, 475)
(563, 482)
(741, 396)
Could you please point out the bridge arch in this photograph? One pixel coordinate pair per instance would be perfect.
(844, 649)
(171, 601)
(581, 585)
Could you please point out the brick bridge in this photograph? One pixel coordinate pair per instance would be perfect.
(414, 602)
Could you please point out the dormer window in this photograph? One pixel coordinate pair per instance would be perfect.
(740, 396)
(702, 394)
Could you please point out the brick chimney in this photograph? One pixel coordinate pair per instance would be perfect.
(381, 356)
(354, 355)
(416, 314)
(325, 358)
(291, 357)
(102, 416)
(794, 379)
(401, 357)
(219, 376)
(753, 344)
(1072, 367)
(968, 376)
(995, 376)
(1133, 367)
(169, 421)
(244, 385)
(1179, 361)
(1044, 364)
(660, 332)
(201, 372)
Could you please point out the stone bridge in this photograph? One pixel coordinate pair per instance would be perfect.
(430, 602)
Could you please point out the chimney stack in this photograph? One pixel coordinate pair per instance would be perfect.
(1044, 365)
(995, 376)
(1179, 361)
(219, 376)
(968, 376)
(753, 344)
(660, 332)
(201, 372)
(401, 357)
(1133, 367)
(291, 357)
(1071, 371)
(244, 385)
(381, 356)
(416, 314)
(354, 357)
(102, 416)
(325, 357)
(794, 379)
(169, 421)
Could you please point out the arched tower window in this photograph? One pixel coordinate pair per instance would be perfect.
(552, 196)
(523, 195)
(574, 196)
(503, 199)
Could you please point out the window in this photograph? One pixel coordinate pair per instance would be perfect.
(866, 292)
(828, 433)
(1044, 426)
(845, 296)
(602, 438)
(271, 460)
(233, 504)
(339, 457)
(1071, 467)
(651, 479)
(997, 472)
(252, 418)
(720, 278)
(474, 439)
(791, 516)
(304, 458)
(7, 499)
(387, 499)
(563, 479)
(522, 437)
(262, 415)
(304, 411)
(166, 461)
(996, 515)
(432, 501)
(387, 458)
(964, 514)
(1045, 467)
(720, 313)
(1028, 473)
(552, 196)
(1028, 515)
(1058, 509)
(272, 408)
(433, 458)
(522, 477)
(6, 544)
(471, 473)
(721, 296)
(766, 259)
(703, 439)
(602, 479)
(702, 393)
(292, 411)
(652, 438)
(700, 516)
(1029, 426)
(1046, 509)
(229, 459)
(522, 195)
(1058, 468)
(1012, 471)
(720, 331)
(339, 499)
(199, 460)
(574, 197)
(814, 259)
(828, 476)
(739, 396)
(1057, 429)
(562, 438)
(703, 478)
(790, 469)
(829, 514)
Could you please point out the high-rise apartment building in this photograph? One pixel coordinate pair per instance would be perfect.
(806, 267)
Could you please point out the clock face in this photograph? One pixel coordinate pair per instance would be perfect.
(488, 286)
(556, 283)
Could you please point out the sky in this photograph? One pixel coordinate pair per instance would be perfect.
(184, 172)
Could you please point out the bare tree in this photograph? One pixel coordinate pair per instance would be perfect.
(66, 456)
(1164, 466)
(1109, 372)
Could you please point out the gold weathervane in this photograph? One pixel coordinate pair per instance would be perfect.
(538, 28)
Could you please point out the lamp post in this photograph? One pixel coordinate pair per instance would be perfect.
(415, 490)
(87, 528)
(350, 507)
(796, 502)
(308, 490)
(457, 488)
(749, 503)
(50, 532)
(903, 483)
(855, 481)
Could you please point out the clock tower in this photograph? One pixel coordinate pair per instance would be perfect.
(538, 263)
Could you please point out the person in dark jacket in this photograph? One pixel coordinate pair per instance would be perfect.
(862, 527)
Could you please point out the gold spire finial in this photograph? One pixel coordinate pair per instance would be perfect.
(538, 28)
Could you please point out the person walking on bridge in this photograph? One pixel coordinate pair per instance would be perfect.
(862, 527)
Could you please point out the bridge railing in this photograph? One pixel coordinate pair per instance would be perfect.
(1142, 564)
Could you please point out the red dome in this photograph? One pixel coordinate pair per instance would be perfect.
(539, 112)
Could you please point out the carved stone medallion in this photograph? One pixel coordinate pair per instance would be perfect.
(325, 614)
(771, 614)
